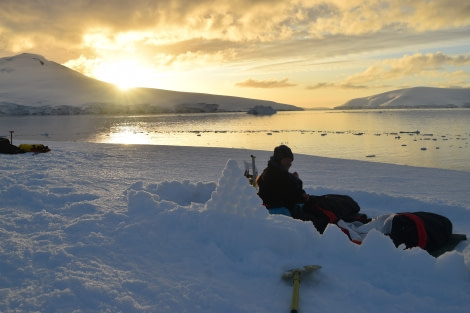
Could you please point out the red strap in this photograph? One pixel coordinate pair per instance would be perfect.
(346, 231)
(331, 216)
(333, 219)
(422, 234)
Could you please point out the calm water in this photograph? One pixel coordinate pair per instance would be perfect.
(431, 138)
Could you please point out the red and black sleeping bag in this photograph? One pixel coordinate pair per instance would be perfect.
(426, 230)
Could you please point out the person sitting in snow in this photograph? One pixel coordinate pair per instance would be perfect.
(282, 193)
(277, 186)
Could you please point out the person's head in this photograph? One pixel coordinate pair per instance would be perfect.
(283, 156)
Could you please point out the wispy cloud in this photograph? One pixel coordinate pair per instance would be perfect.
(389, 70)
(340, 85)
(416, 64)
(252, 83)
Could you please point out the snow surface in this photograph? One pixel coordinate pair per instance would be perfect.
(417, 97)
(123, 228)
(31, 84)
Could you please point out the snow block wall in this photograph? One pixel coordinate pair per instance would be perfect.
(235, 195)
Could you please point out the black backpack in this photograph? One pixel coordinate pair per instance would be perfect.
(7, 148)
(343, 206)
(426, 230)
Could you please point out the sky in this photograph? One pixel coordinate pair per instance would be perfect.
(306, 53)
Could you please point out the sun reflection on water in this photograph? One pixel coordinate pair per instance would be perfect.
(127, 135)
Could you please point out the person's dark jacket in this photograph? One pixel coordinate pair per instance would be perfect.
(279, 188)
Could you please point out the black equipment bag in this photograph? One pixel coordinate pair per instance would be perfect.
(7, 148)
(429, 231)
(328, 209)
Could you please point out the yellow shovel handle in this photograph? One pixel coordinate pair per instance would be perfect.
(295, 293)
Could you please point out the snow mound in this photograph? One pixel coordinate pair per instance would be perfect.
(233, 186)
(418, 97)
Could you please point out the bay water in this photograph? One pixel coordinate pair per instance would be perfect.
(437, 138)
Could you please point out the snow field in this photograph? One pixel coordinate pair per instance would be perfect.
(112, 228)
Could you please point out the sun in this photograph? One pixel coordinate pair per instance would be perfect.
(125, 74)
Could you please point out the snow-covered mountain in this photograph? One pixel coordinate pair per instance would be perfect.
(418, 97)
(31, 84)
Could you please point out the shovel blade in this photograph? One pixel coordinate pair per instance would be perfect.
(304, 269)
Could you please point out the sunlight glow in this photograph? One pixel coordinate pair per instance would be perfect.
(125, 74)
(128, 135)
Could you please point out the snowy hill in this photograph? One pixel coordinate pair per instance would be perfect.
(31, 84)
(418, 97)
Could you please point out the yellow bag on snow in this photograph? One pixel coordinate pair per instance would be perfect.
(37, 148)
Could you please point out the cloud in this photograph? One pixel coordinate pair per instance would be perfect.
(437, 66)
(365, 17)
(409, 65)
(37, 24)
(324, 85)
(252, 83)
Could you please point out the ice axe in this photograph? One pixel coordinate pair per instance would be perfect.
(255, 171)
(295, 274)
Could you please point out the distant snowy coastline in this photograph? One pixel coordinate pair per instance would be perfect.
(417, 97)
(32, 85)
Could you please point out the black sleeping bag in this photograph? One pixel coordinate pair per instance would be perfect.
(426, 230)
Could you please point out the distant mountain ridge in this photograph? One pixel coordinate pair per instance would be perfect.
(32, 85)
(416, 97)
